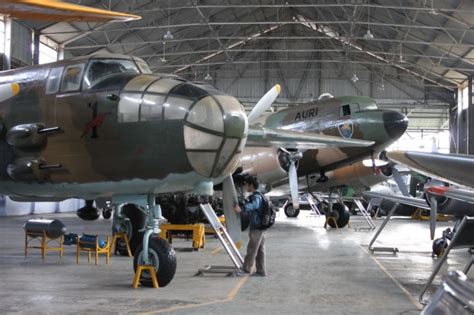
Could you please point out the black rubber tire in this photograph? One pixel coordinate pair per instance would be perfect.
(341, 212)
(107, 213)
(138, 221)
(290, 211)
(162, 256)
(439, 246)
(244, 221)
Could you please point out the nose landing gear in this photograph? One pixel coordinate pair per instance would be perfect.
(153, 251)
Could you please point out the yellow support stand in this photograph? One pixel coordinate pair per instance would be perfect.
(124, 237)
(138, 275)
(29, 236)
(198, 230)
(93, 247)
(333, 220)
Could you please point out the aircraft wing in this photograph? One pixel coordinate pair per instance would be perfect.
(451, 168)
(409, 201)
(452, 192)
(259, 136)
(52, 10)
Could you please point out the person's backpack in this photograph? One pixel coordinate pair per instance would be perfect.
(268, 213)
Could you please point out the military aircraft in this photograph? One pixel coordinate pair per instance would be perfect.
(322, 169)
(103, 127)
(439, 198)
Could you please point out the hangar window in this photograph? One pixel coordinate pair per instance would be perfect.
(52, 86)
(345, 110)
(102, 68)
(72, 78)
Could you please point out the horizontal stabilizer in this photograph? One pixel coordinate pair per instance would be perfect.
(409, 201)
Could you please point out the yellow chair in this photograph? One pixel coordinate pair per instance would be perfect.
(93, 247)
(138, 274)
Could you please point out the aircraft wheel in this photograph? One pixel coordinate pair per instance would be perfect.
(323, 207)
(107, 213)
(439, 246)
(137, 222)
(290, 211)
(244, 221)
(341, 212)
(162, 256)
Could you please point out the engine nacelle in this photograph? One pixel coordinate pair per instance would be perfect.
(447, 205)
(357, 176)
(264, 163)
(88, 212)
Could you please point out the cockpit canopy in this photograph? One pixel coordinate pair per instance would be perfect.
(90, 72)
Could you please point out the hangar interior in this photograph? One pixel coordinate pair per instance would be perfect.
(414, 57)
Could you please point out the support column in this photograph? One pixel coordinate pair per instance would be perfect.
(453, 124)
(470, 120)
(36, 47)
(8, 44)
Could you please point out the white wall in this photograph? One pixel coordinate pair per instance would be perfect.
(9, 207)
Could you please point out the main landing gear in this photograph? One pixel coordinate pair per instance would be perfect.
(440, 244)
(141, 223)
(338, 211)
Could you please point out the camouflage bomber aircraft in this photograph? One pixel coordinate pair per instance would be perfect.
(354, 117)
(103, 127)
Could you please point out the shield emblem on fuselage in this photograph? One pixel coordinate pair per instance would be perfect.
(346, 128)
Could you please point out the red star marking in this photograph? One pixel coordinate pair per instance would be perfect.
(96, 122)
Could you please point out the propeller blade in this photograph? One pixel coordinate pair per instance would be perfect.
(401, 184)
(293, 177)
(264, 103)
(374, 163)
(433, 215)
(232, 219)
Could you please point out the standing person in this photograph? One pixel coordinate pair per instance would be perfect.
(256, 245)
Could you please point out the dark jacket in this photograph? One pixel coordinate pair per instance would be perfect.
(253, 209)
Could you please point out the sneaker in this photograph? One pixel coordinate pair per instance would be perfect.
(259, 274)
(242, 273)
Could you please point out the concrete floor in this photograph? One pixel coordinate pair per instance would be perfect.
(310, 271)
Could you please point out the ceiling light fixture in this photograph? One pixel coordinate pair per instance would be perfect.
(168, 35)
(208, 77)
(368, 35)
(433, 11)
(354, 78)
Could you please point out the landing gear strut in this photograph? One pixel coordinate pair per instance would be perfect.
(339, 211)
(153, 250)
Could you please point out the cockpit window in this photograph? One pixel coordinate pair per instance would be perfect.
(102, 68)
(144, 68)
(345, 110)
(72, 78)
(367, 106)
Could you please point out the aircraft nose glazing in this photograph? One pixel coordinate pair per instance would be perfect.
(215, 132)
(395, 123)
